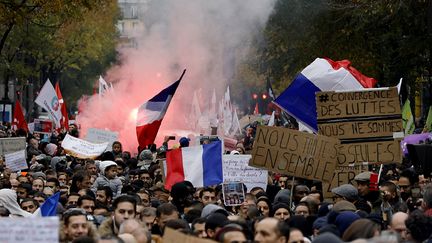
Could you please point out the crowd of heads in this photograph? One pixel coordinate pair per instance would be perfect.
(121, 197)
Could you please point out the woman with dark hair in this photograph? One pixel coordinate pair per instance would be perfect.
(264, 205)
(361, 229)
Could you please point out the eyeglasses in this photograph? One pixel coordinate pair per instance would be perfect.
(298, 241)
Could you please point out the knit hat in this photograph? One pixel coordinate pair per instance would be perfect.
(319, 223)
(105, 164)
(344, 220)
(54, 161)
(348, 191)
(38, 174)
(278, 206)
(213, 208)
(184, 142)
(327, 237)
(283, 196)
(145, 158)
(324, 209)
(51, 149)
(343, 205)
(216, 220)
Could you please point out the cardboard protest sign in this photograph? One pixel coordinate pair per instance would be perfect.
(16, 160)
(295, 153)
(233, 193)
(30, 230)
(95, 135)
(82, 149)
(236, 169)
(174, 236)
(342, 175)
(367, 122)
(9, 145)
(43, 126)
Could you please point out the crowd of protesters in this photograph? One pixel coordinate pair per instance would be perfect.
(121, 198)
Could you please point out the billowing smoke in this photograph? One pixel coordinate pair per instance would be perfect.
(208, 38)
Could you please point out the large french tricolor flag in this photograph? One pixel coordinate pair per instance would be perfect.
(321, 75)
(151, 114)
(201, 165)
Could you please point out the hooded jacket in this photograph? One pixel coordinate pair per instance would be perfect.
(8, 199)
(115, 184)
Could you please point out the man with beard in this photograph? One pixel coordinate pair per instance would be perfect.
(104, 195)
(124, 208)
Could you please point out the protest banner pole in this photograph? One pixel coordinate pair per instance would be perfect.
(379, 173)
(292, 191)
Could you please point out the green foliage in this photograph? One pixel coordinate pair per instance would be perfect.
(384, 39)
(57, 39)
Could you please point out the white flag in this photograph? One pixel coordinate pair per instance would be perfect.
(213, 114)
(227, 112)
(236, 129)
(48, 100)
(103, 86)
(195, 111)
(272, 120)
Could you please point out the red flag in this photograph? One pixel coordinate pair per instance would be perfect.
(19, 120)
(364, 80)
(151, 113)
(65, 119)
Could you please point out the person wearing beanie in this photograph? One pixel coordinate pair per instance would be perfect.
(344, 220)
(51, 149)
(281, 211)
(108, 177)
(327, 237)
(184, 142)
(283, 196)
(145, 159)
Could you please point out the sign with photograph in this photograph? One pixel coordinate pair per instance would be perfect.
(233, 193)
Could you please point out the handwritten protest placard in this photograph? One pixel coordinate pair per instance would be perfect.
(236, 169)
(295, 153)
(29, 230)
(16, 160)
(95, 135)
(9, 145)
(82, 149)
(174, 236)
(343, 175)
(368, 123)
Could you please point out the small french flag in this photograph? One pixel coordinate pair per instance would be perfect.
(201, 165)
(298, 99)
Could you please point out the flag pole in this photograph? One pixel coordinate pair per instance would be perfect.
(292, 191)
